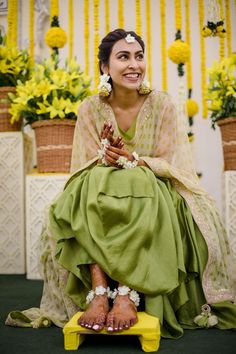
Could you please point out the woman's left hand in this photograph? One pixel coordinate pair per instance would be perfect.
(112, 154)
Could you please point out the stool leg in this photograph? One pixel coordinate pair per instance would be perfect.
(150, 342)
(73, 340)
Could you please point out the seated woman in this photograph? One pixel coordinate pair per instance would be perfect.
(132, 221)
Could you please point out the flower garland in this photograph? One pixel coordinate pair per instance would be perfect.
(86, 36)
(138, 18)
(203, 58)
(163, 44)
(215, 23)
(107, 16)
(222, 34)
(191, 105)
(148, 25)
(120, 14)
(31, 30)
(71, 26)
(179, 51)
(55, 37)
(12, 23)
(96, 40)
(228, 27)
(54, 9)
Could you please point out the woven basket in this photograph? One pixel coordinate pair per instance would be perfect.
(5, 116)
(228, 134)
(54, 140)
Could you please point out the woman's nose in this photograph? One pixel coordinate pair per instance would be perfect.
(133, 64)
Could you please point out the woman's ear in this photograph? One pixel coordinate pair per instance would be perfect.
(104, 68)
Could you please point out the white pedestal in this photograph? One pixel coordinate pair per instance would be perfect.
(229, 207)
(41, 189)
(12, 240)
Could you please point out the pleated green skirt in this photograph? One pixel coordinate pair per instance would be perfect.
(142, 234)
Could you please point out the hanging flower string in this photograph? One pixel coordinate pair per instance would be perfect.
(55, 37)
(179, 51)
(86, 36)
(228, 27)
(71, 26)
(203, 58)
(215, 22)
(148, 26)
(192, 106)
(138, 17)
(163, 44)
(222, 34)
(31, 31)
(120, 14)
(54, 9)
(12, 23)
(107, 16)
(96, 40)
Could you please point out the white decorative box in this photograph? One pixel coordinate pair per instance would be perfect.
(12, 235)
(41, 189)
(229, 207)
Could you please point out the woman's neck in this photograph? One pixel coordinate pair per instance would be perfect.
(124, 99)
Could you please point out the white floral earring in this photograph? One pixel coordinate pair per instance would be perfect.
(104, 87)
(144, 88)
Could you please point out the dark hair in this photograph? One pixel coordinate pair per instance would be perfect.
(108, 42)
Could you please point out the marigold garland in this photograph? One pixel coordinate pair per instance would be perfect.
(203, 58)
(12, 23)
(138, 18)
(148, 26)
(228, 27)
(86, 36)
(31, 30)
(56, 37)
(187, 31)
(222, 37)
(54, 9)
(120, 14)
(178, 15)
(107, 16)
(71, 26)
(163, 44)
(96, 40)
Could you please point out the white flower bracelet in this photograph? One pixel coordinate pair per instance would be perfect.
(125, 290)
(125, 163)
(102, 150)
(99, 290)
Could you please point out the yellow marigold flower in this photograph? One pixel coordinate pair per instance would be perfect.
(219, 28)
(56, 37)
(192, 107)
(206, 32)
(179, 52)
(221, 34)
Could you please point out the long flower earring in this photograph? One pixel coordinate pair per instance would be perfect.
(104, 87)
(144, 88)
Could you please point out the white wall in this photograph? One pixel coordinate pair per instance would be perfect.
(207, 145)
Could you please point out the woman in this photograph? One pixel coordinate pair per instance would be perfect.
(133, 214)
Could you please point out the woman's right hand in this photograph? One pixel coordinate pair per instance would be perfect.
(107, 133)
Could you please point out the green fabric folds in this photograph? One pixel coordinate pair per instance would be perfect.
(142, 234)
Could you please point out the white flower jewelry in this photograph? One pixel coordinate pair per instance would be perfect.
(206, 319)
(102, 150)
(99, 290)
(104, 87)
(125, 163)
(144, 88)
(129, 38)
(125, 290)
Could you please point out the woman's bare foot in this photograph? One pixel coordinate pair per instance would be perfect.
(96, 314)
(123, 314)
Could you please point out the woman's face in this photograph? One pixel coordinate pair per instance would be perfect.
(127, 65)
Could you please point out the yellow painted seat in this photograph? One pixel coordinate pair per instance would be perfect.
(147, 328)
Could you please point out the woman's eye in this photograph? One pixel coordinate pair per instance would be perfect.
(140, 57)
(123, 56)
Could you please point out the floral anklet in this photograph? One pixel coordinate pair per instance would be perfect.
(125, 290)
(99, 290)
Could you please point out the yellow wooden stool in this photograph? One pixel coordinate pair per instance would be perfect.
(147, 328)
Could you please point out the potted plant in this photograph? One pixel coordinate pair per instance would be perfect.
(14, 67)
(221, 93)
(49, 102)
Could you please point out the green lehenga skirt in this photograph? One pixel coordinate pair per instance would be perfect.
(142, 234)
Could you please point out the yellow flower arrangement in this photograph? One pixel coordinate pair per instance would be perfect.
(179, 52)
(55, 37)
(14, 65)
(192, 107)
(51, 92)
(221, 89)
